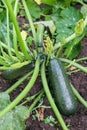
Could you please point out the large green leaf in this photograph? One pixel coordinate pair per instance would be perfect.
(66, 22)
(34, 9)
(3, 28)
(3, 33)
(15, 119)
(4, 100)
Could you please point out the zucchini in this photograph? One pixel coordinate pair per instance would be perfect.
(61, 88)
(13, 74)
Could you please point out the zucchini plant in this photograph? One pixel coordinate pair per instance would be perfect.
(45, 57)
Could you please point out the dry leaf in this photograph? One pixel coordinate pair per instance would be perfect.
(38, 1)
(24, 35)
(0, 72)
(72, 68)
(41, 114)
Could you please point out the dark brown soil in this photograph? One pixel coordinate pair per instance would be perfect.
(75, 122)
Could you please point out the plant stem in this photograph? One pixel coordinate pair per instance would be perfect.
(50, 99)
(65, 41)
(28, 99)
(79, 1)
(74, 42)
(79, 97)
(30, 20)
(25, 91)
(36, 101)
(84, 69)
(57, 45)
(21, 42)
(12, 50)
(14, 86)
(81, 59)
(14, 32)
(40, 30)
(70, 38)
(85, 22)
(73, 71)
(8, 34)
(59, 51)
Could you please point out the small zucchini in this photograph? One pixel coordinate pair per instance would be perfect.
(61, 88)
(13, 74)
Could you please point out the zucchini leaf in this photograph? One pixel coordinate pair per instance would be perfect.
(34, 9)
(49, 24)
(15, 119)
(66, 22)
(4, 100)
(3, 28)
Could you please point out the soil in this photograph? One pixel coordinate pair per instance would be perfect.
(76, 122)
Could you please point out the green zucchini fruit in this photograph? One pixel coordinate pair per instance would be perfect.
(61, 88)
(13, 74)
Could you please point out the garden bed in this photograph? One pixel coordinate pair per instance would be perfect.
(44, 33)
(75, 122)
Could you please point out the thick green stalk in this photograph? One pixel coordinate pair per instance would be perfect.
(6, 47)
(50, 99)
(59, 51)
(14, 86)
(84, 69)
(24, 92)
(30, 20)
(12, 50)
(79, 97)
(65, 41)
(8, 34)
(85, 22)
(79, 1)
(40, 30)
(2, 61)
(14, 32)
(21, 42)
